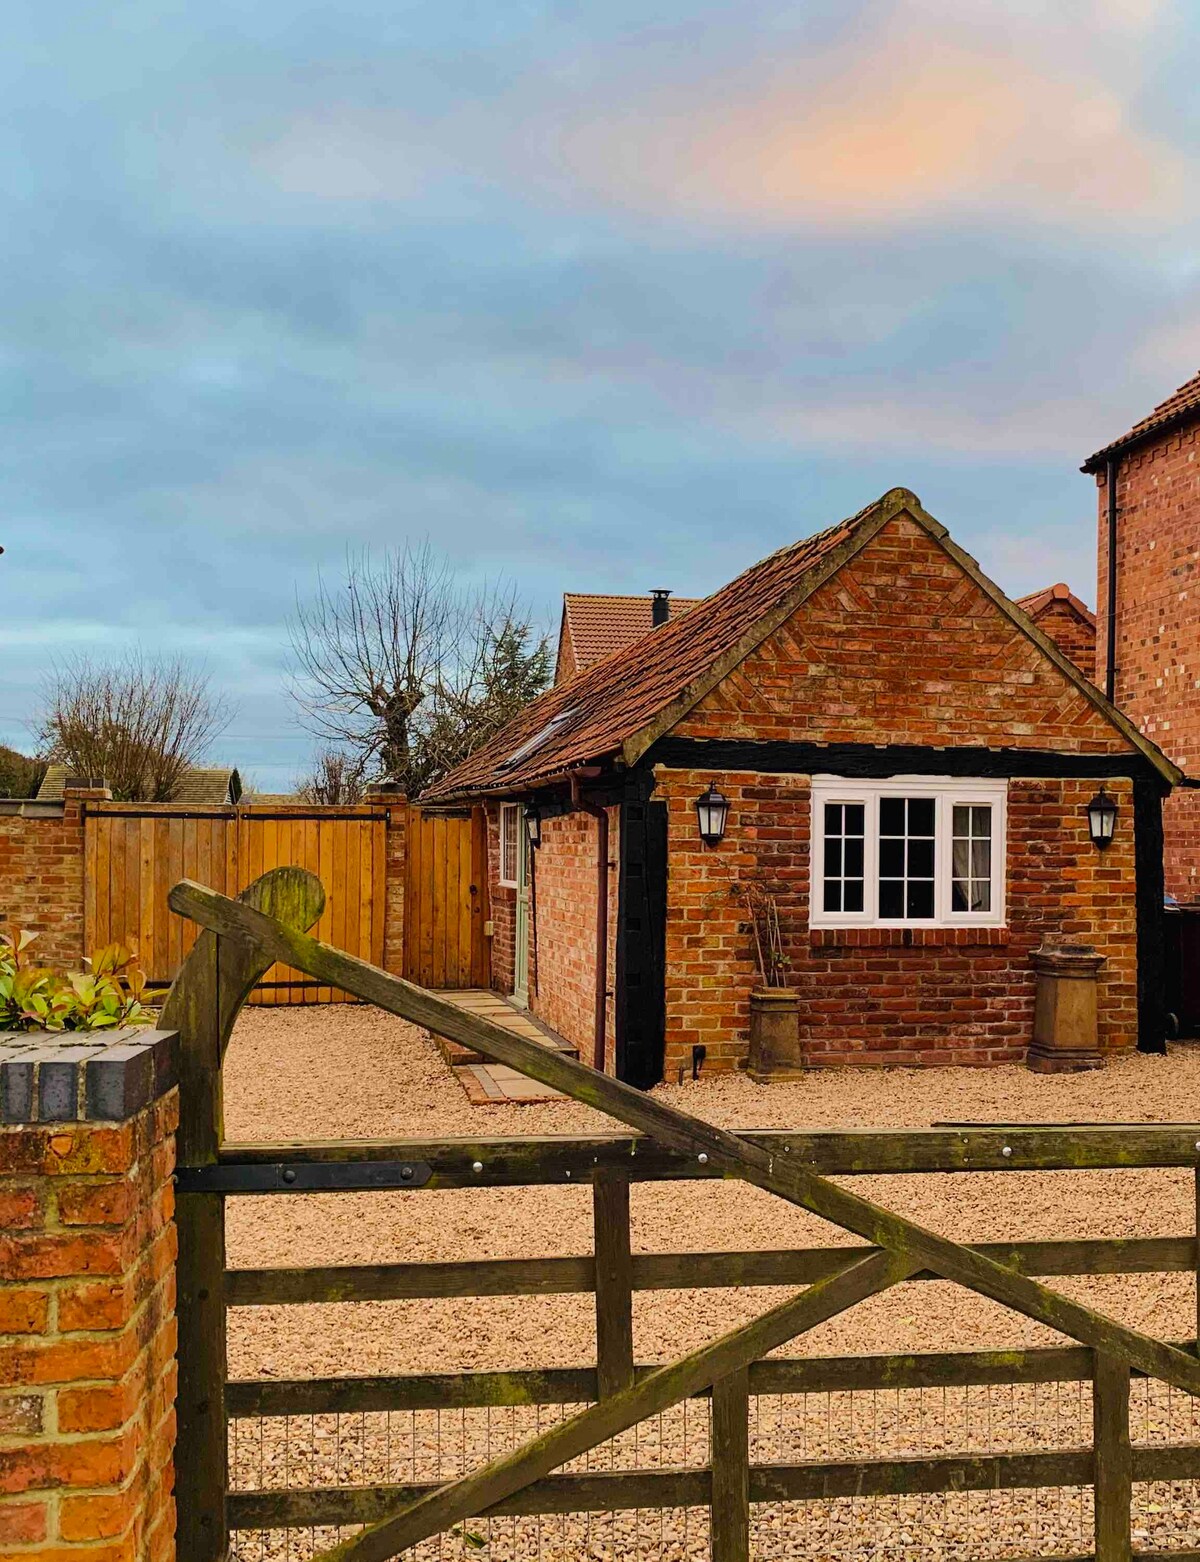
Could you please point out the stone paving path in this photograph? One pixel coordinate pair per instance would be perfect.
(492, 1084)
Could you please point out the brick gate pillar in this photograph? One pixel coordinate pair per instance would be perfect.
(389, 798)
(87, 1297)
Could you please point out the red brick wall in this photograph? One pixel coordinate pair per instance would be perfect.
(1073, 635)
(87, 1372)
(902, 647)
(41, 879)
(565, 995)
(394, 807)
(954, 996)
(1158, 621)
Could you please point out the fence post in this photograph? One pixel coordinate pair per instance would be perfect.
(614, 1283)
(204, 1002)
(1113, 1456)
(1196, 1179)
(201, 1461)
(730, 1459)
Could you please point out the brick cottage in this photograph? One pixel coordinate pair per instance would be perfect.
(908, 761)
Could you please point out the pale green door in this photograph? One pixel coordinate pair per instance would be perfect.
(521, 960)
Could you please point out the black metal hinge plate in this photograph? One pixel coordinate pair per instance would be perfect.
(303, 1177)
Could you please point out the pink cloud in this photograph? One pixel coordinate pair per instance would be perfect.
(908, 129)
(1008, 110)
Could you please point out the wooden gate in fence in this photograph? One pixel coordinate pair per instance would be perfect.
(446, 898)
(540, 1473)
(133, 853)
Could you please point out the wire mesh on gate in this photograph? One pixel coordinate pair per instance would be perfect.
(360, 1451)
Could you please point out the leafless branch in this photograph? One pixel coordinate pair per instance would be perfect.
(406, 670)
(138, 722)
(336, 777)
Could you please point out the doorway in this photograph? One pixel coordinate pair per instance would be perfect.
(521, 935)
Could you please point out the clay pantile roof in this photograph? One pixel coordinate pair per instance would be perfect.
(588, 717)
(622, 705)
(1038, 601)
(595, 625)
(1181, 406)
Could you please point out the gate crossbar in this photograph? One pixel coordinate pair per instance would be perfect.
(911, 1246)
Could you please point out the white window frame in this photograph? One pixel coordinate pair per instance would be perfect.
(945, 791)
(510, 820)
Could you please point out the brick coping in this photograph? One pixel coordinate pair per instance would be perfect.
(906, 937)
(83, 1076)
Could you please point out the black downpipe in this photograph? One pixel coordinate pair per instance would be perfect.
(1110, 648)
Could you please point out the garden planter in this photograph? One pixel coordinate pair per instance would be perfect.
(1066, 1032)
(775, 1033)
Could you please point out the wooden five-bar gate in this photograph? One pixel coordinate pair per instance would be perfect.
(242, 938)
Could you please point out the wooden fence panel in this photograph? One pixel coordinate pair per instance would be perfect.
(445, 898)
(134, 853)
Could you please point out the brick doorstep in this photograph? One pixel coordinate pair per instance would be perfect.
(495, 1084)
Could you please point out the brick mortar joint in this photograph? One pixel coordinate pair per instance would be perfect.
(55, 1288)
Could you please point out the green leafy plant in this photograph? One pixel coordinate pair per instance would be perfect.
(110, 993)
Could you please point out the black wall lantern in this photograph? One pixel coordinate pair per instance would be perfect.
(533, 826)
(712, 810)
(1102, 819)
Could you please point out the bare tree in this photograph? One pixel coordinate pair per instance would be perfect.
(336, 777)
(137, 722)
(408, 670)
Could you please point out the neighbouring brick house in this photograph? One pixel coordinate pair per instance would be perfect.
(1070, 623)
(594, 625)
(1148, 595)
(908, 761)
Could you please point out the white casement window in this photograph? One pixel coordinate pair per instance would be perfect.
(911, 851)
(510, 843)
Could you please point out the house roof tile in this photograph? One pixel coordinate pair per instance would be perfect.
(597, 625)
(623, 703)
(1038, 601)
(1181, 406)
(591, 715)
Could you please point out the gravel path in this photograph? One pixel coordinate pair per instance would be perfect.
(351, 1072)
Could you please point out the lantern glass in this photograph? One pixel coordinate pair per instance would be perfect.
(533, 826)
(712, 811)
(1102, 818)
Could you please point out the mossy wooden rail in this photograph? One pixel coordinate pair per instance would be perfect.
(268, 924)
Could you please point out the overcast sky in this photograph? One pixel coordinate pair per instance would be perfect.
(600, 294)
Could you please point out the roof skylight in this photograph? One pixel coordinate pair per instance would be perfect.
(536, 741)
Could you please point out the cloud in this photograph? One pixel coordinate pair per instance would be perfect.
(932, 114)
(900, 134)
(597, 294)
(898, 422)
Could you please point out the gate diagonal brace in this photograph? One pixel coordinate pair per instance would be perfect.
(473, 1494)
(912, 1245)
